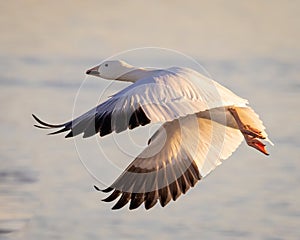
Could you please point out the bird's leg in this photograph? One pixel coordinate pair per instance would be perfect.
(245, 128)
(250, 134)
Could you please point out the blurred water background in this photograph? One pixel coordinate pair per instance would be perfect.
(252, 47)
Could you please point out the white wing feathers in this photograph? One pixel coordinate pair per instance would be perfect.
(166, 95)
(179, 154)
(198, 132)
(174, 93)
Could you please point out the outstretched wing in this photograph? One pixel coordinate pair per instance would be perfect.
(166, 95)
(178, 155)
(99, 119)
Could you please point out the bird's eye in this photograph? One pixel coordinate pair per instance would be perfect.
(106, 65)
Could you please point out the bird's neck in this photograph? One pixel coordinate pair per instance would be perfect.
(135, 74)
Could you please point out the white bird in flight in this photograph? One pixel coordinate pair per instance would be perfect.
(203, 124)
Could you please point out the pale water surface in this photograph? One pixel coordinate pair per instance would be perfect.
(45, 190)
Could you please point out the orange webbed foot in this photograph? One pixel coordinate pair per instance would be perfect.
(255, 143)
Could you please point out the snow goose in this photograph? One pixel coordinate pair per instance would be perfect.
(202, 124)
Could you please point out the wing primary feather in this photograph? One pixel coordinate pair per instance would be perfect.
(50, 126)
(124, 199)
(106, 190)
(142, 118)
(105, 127)
(47, 124)
(164, 192)
(133, 121)
(174, 190)
(112, 196)
(192, 174)
(182, 183)
(69, 135)
(194, 170)
(136, 200)
(173, 187)
(90, 129)
(86, 126)
(164, 196)
(189, 178)
(151, 199)
(127, 180)
(137, 118)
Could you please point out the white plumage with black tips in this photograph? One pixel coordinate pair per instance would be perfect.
(203, 124)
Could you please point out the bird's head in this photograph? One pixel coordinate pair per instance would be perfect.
(110, 69)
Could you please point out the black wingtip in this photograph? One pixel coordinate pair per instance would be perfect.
(136, 200)
(123, 200)
(46, 124)
(106, 190)
(70, 134)
(116, 208)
